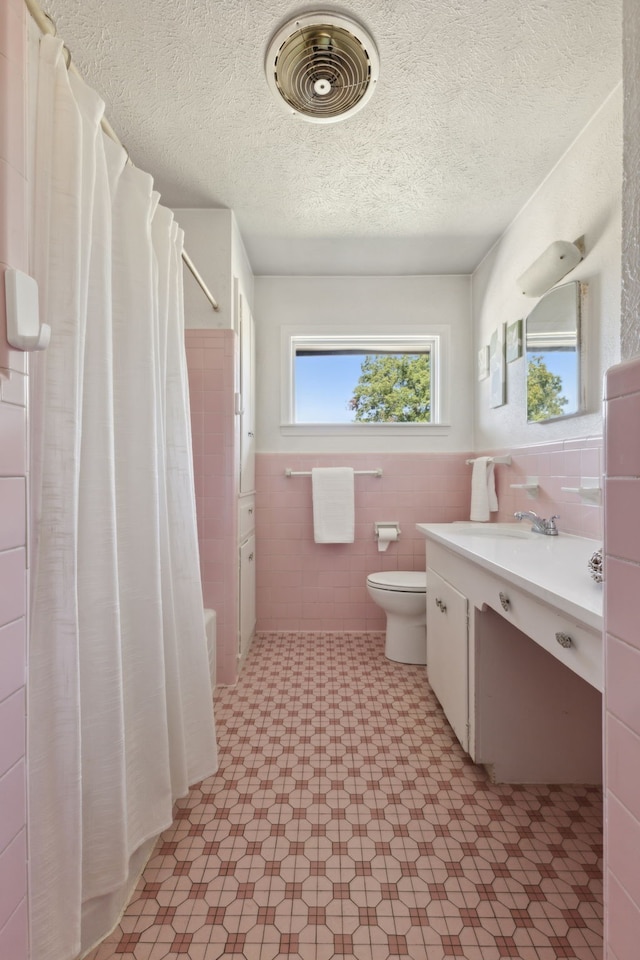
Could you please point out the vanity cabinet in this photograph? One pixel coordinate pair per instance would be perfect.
(247, 617)
(516, 667)
(246, 446)
(448, 651)
(246, 573)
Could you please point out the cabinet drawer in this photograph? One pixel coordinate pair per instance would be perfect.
(246, 517)
(575, 645)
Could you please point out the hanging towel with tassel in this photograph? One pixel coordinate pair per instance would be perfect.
(333, 504)
(483, 489)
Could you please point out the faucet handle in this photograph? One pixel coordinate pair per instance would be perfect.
(551, 522)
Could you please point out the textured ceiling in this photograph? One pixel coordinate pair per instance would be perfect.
(476, 101)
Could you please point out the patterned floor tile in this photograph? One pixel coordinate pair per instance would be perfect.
(345, 821)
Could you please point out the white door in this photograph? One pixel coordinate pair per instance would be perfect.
(448, 652)
(247, 394)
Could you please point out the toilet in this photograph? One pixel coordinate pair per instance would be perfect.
(402, 594)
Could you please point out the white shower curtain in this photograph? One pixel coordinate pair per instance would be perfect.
(120, 708)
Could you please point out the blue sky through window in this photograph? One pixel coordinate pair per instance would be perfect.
(324, 386)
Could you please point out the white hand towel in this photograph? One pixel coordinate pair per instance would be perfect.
(483, 489)
(333, 504)
(491, 488)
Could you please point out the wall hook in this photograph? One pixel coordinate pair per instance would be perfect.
(24, 331)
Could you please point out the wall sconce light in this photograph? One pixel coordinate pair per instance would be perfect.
(551, 266)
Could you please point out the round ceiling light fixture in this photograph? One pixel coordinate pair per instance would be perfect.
(322, 67)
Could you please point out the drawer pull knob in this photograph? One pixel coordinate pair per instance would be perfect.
(441, 605)
(564, 639)
(250, 511)
(250, 556)
(504, 600)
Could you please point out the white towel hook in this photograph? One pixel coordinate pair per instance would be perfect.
(24, 330)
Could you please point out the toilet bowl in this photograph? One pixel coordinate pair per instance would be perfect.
(402, 594)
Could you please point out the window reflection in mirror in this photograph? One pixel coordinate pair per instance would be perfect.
(553, 355)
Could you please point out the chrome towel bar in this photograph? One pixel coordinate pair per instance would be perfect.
(307, 473)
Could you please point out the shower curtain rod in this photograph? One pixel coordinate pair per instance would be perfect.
(46, 25)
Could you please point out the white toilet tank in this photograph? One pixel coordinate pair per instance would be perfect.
(210, 630)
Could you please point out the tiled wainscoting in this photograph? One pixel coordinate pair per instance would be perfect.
(346, 821)
(555, 465)
(303, 585)
(307, 586)
(211, 368)
(622, 661)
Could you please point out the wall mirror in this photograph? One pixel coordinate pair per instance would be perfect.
(552, 341)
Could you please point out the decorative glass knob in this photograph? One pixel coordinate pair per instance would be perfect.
(564, 639)
(596, 566)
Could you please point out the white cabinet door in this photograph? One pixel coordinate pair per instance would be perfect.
(247, 394)
(246, 517)
(448, 652)
(247, 593)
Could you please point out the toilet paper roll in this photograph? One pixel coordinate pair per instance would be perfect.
(386, 535)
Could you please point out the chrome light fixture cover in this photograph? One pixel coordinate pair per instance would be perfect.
(322, 67)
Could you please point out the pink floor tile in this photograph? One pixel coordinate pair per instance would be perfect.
(346, 822)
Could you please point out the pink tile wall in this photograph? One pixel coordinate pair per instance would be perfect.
(308, 586)
(622, 662)
(302, 585)
(556, 465)
(13, 458)
(211, 361)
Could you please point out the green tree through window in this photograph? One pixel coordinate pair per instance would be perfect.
(544, 390)
(393, 388)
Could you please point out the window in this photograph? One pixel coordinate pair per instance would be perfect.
(363, 381)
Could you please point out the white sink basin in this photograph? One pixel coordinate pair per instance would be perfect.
(519, 531)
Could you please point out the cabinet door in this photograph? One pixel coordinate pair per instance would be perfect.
(247, 593)
(448, 652)
(247, 393)
(246, 517)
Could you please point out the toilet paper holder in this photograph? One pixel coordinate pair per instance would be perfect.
(386, 532)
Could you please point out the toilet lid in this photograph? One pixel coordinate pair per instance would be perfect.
(406, 581)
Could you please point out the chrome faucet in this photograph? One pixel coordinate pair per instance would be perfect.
(539, 524)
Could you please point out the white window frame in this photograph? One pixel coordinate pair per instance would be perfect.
(404, 339)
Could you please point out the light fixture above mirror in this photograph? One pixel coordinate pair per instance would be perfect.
(551, 266)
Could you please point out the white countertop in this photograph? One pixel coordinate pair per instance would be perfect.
(551, 569)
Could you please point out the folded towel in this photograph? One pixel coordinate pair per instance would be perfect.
(333, 509)
(483, 489)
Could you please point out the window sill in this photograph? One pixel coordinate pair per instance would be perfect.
(363, 429)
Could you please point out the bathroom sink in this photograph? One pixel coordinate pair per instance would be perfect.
(515, 530)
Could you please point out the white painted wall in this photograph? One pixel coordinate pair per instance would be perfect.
(213, 241)
(240, 264)
(358, 303)
(580, 197)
